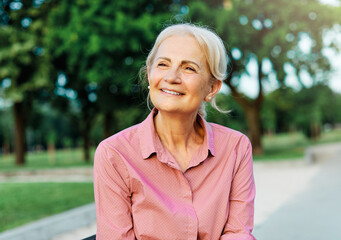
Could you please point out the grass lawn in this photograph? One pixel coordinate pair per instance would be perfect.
(21, 203)
(42, 159)
(292, 146)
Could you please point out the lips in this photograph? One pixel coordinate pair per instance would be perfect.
(172, 92)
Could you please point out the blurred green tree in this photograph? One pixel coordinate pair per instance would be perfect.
(278, 110)
(314, 107)
(23, 63)
(307, 110)
(6, 133)
(271, 33)
(97, 48)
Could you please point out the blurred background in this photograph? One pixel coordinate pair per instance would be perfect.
(69, 77)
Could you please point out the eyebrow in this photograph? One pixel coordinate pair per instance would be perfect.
(182, 62)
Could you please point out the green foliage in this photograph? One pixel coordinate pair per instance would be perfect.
(99, 46)
(315, 106)
(287, 110)
(278, 110)
(99, 42)
(22, 57)
(33, 201)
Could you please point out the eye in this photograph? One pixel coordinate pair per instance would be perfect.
(162, 64)
(190, 69)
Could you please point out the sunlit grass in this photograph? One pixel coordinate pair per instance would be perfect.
(291, 146)
(21, 203)
(44, 159)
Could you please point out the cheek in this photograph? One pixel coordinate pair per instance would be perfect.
(154, 77)
(203, 87)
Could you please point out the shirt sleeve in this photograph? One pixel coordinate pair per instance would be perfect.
(239, 224)
(112, 195)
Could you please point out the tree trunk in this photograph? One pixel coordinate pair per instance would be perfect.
(107, 124)
(251, 108)
(86, 137)
(51, 151)
(6, 148)
(315, 130)
(253, 122)
(20, 135)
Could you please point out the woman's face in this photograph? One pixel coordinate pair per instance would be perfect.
(179, 77)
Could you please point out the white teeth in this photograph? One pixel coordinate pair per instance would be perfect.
(170, 92)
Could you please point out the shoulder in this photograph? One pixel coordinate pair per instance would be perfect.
(232, 145)
(118, 145)
(112, 151)
(229, 142)
(119, 139)
(223, 133)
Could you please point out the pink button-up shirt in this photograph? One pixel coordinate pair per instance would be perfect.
(141, 192)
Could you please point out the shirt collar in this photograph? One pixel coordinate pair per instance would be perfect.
(150, 142)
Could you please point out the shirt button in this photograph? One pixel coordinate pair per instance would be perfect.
(188, 196)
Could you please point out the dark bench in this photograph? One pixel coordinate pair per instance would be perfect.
(90, 238)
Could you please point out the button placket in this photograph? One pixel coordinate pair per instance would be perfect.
(190, 211)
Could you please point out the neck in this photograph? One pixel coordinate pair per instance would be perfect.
(178, 131)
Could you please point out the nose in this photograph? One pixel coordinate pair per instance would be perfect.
(173, 76)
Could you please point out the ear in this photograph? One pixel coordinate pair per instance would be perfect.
(215, 87)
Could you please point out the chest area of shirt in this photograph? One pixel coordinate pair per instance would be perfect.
(195, 200)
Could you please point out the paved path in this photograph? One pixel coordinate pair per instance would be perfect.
(314, 213)
(74, 174)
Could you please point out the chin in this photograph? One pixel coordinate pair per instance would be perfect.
(170, 109)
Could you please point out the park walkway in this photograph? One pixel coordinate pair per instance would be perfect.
(298, 200)
(314, 213)
(72, 174)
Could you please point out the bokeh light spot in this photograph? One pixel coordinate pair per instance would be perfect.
(26, 22)
(312, 16)
(243, 20)
(128, 61)
(15, 5)
(236, 53)
(276, 51)
(257, 24)
(92, 97)
(61, 80)
(290, 37)
(268, 23)
(291, 54)
(6, 83)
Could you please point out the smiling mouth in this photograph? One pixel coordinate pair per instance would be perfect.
(171, 92)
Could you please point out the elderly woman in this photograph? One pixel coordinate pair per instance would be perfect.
(176, 176)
